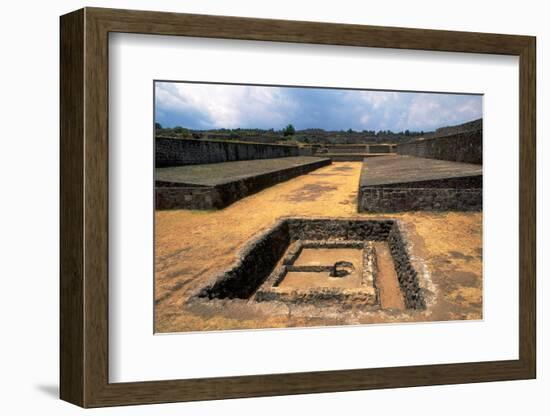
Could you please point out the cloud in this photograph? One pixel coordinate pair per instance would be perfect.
(436, 110)
(205, 106)
(377, 99)
(217, 106)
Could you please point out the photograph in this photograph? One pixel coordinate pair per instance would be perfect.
(279, 207)
(287, 206)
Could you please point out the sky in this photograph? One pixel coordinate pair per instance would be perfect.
(210, 106)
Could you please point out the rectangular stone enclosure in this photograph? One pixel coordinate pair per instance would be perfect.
(318, 261)
(408, 183)
(324, 270)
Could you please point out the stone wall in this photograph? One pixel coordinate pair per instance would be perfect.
(255, 263)
(406, 274)
(339, 148)
(464, 147)
(380, 148)
(381, 199)
(330, 229)
(355, 148)
(460, 128)
(306, 151)
(179, 152)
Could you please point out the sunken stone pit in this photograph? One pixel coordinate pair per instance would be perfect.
(319, 261)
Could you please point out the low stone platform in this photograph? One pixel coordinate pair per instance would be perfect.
(353, 157)
(217, 185)
(408, 183)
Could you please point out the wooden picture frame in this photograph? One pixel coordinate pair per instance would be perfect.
(84, 207)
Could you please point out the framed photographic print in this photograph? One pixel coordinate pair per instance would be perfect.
(255, 207)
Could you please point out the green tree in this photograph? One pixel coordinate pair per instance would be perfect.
(289, 130)
(180, 131)
(158, 126)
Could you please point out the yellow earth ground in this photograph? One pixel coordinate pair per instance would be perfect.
(193, 246)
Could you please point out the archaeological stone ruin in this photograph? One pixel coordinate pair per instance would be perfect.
(323, 261)
(295, 262)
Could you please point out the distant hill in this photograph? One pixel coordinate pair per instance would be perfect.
(314, 136)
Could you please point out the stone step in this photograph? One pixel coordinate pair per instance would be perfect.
(352, 157)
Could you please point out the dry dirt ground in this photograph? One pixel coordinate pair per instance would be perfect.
(194, 246)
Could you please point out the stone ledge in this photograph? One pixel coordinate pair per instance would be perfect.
(407, 183)
(171, 195)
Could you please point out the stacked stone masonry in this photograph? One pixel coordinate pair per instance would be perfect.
(180, 152)
(419, 199)
(464, 147)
